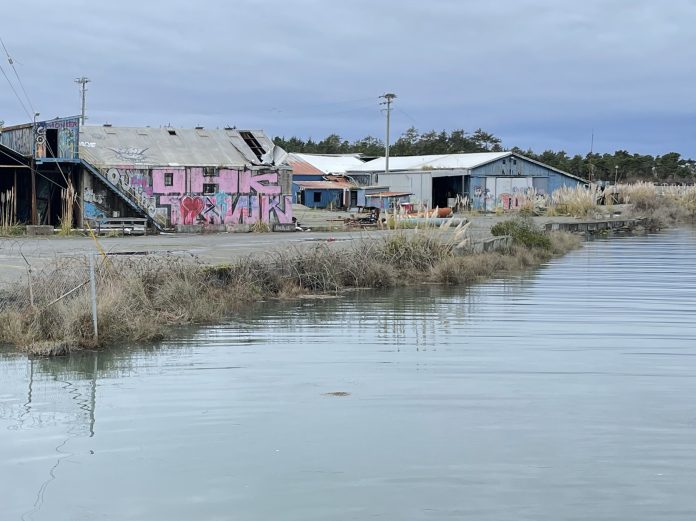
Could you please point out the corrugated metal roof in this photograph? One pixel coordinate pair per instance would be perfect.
(432, 162)
(384, 195)
(332, 164)
(323, 185)
(112, 146)
(302, 167)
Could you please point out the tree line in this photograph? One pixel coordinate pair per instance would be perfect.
(621, 165)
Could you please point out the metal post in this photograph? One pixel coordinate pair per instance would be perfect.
(389, 97)
(31, 287)
(93, 288)
(34, 217)
(83, 81)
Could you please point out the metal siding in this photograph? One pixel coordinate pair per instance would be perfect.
(557, 180)
(18, 139)
(361, 198)
(541, 185)
(327, 196)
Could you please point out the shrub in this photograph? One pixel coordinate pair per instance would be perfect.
(523, 232)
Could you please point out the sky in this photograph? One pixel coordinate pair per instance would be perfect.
(540, 74)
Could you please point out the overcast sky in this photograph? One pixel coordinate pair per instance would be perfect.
(537, 73)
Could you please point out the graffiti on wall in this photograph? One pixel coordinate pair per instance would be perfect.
(248, 197)
(482, 198)
(130, 154)
(137, 184)
(27, 139)
(18, 139)
(180, 195)
(505, 194)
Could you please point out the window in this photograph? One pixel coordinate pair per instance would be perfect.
(514, 161)
(209, 189)
(503, 161)
(210, 171)
(317, 197)
(168, 179)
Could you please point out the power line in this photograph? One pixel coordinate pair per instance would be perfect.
(15, 92)
(21, 84)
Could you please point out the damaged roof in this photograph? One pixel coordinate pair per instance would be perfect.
(105, 146)
(432, 162)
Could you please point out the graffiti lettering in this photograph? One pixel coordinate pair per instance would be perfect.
(130, 154)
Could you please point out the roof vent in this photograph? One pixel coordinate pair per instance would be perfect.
(107, 124)
(171, 131)
(199, 128)
(230, 128)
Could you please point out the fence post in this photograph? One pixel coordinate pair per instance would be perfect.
(93, 288)
(31, 287)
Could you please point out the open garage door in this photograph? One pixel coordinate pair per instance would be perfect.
(445, 189)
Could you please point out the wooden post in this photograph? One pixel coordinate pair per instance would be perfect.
(33, 192)
(14, 199)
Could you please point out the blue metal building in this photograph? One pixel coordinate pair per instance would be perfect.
(490, 180)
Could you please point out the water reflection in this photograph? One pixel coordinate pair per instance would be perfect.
(564, 390)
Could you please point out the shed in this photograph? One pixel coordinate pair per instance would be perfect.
(490, 180)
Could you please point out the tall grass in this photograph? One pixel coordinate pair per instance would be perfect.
(643, 196)
(8, 213)
(577, 201)
(67, 196)
(141, 299)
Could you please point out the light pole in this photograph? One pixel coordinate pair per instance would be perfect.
(83, 81)
(616, 174)
(33, 172)
(388, 98)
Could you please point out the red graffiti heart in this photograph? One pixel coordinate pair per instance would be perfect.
(191, 207)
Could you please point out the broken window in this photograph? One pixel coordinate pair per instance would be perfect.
(209, 188)
(253, 143)
(169, 179)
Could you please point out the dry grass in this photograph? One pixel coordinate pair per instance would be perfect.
(643, 196)
(577, 201)
(683, 197)
(141, 298)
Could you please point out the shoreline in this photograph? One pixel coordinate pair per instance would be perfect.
(19, 252)
(141, 298)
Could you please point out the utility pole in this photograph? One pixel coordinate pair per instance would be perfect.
(388, 98)
(591, 150)
(83, 81)
(35, 137)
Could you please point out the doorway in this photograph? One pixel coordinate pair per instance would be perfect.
(446, 188)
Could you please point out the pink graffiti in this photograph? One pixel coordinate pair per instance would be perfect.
(259, 184)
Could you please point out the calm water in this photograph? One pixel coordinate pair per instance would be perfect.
(566, 394)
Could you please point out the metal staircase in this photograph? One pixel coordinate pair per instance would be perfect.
(125, 196)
